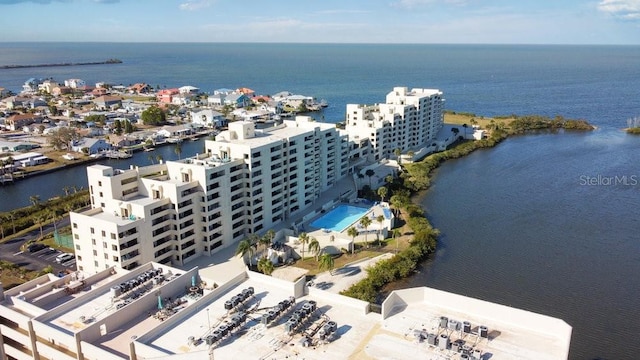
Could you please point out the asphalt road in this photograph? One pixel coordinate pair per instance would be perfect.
(12, 251)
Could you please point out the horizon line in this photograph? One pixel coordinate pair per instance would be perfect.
(308, 43)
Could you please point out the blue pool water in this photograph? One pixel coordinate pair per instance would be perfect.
(340, 218)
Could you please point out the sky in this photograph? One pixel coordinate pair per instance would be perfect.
(327, 21)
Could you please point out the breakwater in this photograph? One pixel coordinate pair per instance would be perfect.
(106, 62)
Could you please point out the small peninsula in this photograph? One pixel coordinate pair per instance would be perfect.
(106, 62)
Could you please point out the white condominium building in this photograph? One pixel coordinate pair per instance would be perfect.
(247, 181)
(408, 120)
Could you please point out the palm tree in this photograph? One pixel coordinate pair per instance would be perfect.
(12, 217)
(396, 234)
(304, 239)
(264, 242)
(380, 220)
(389, 179)
(150, 157)
(159, 158)
(54, 216)
(382, 192)
(265, 266)
(40, 221)
(365, 222)
(245, 247)
(410, 154)
(397, 152)
(34, 200)
(353, 232)
(326, 262)
(66, 190)
(314, 247)
(369, 173)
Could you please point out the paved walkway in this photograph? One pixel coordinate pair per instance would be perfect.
(344, 277)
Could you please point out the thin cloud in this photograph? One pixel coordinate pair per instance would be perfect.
(13, 2)
(339, 11)
(623, 9)
(195, 5)
(412, 4)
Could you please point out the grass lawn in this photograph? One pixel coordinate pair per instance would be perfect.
(455, 118)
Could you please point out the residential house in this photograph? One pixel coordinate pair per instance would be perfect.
(208, 118)
(216, 99)
(61, 90)
(31, 85)
(13, 102)
(93, 146)
(29, 159)
(17, 122)
(189, 90)
(99, 91)
(140, 88)
(296, 101)
(165, 96)
(47, 86)
(123, 140)
(75, 83)
(223, 91)
(14, 146)
(246, 91)
(237, 100)
(107, 102)
(281, 95)
(35, 102)
(182, 99)
(174, 131)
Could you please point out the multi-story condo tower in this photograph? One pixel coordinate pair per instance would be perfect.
(246, 182)
(408, 120)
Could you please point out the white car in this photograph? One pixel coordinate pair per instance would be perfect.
(64, 257)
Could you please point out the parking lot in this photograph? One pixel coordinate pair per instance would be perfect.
(45, 257)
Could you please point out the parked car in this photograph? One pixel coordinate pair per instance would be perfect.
(36, 247)
(64, 257)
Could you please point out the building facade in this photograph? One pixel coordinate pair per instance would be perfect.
(409, 120)
(246, 182)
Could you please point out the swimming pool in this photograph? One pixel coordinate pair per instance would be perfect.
(340, 218)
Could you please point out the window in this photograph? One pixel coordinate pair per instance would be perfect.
(113, 236)
(95, 252)
(93, 241)
(75, 236)
(75, 226)
(104, 233)
(104, 244)
(78, 247)
(106, 256)
(114, 247)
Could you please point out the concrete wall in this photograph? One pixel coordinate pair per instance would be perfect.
(359, 306)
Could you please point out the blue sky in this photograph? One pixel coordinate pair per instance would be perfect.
(328, 21)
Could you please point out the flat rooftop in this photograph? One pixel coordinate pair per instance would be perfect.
(188, 337)
(401, 332)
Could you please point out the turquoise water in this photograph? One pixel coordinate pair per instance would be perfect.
(340, 218)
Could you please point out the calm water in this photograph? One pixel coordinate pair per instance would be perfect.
(519, 226)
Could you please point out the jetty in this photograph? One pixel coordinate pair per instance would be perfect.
(106, 62)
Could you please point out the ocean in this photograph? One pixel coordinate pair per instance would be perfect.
(520, 223)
